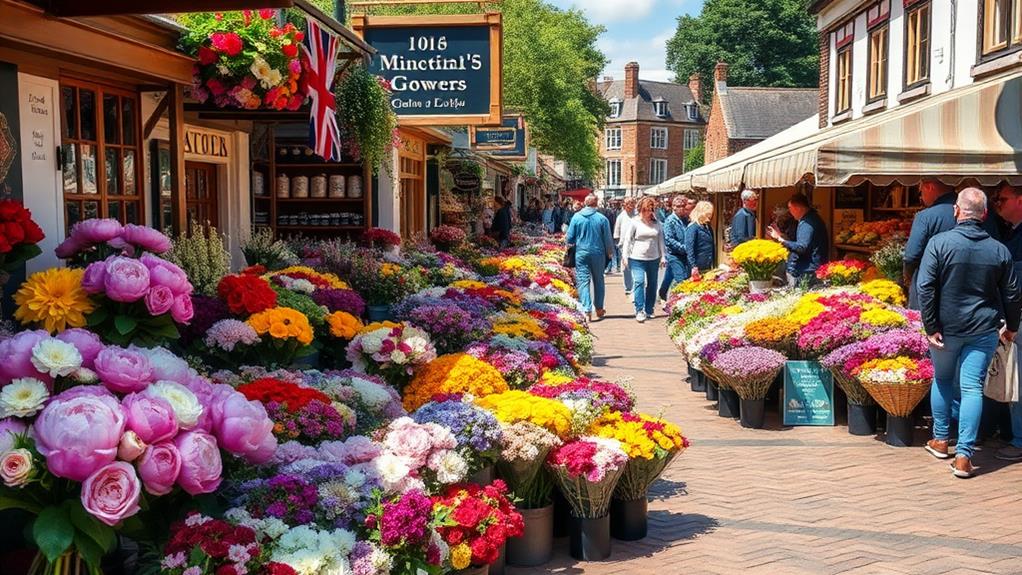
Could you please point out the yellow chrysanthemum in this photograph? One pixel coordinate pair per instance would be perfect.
(282, 323)
(515, 406)
(328, 279)
(461, 556)
(389, 269)
(53, 299)
(885, 291)
(468, 284)
(453, 373)
(555, 378)
(641, 435)
(344, 325)
(883, 318)
(806, 309)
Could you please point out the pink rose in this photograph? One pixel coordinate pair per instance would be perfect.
(159, 300)
(200, 462)
(409, 440)
(131, 446)
(16, 467)
(10, 427)
(151, 418)
(127, 279)
(79, 431)
(159, 467)
(17, 356)
(123, 370)
(93, 281)
(96, 231)
(182, 311)
(112, 493)
(242, 426)
(89, 345)
(164, 273)
(147, 239)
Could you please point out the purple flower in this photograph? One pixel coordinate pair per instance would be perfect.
(450, 327)
(145, 238)
(206, 311)
(227, 334)
(126, 279)
(477, 431)
(159, 300)
(123, 370)
(406, 521)
(95, 231)
(749, 363)
(340, 300)
(17, 356)
(93, 281)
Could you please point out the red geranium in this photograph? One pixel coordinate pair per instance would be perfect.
(480, 517)
(246, 294)
(227, 42)
(289, 394)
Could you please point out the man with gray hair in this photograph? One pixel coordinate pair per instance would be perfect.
(968, 295)
(589, 231)
(743, 225)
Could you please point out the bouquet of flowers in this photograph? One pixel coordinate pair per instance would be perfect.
(246, 294)
(19, 235)
(885, 290)
(404, 527)
(845, 361)
(602, 394)
(650, 443)
(587, 470)
(450, 327)
(897, 383)
(842, 272)
(201, 545)
(383, 283)
(829, 330)
(345, 300)
(245, 60)
(418, 455)
(304, 279)
(514, 406)
(229, 342)
(53, 300)
(391, 350)
(475, 521)
(446, 238)
(518, 368)
(450, 374)
(96, 239)
(284, 335)
(708, 355)
(477, 431)
(776, 333)
(749, 370)
(890, 260)
(381, 239)
(300, 413)
(759, 258)
(525, 449)
(341, 327)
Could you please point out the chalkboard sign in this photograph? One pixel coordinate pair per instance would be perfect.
(441, 70)
(509, 141)
(808, 394)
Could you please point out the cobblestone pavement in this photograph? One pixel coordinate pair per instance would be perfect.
(792, 501)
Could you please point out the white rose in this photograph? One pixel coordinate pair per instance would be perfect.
(55, 357)
(131, 446)
(451, 468)
(23, 397)
(187, 407)
(16, 467)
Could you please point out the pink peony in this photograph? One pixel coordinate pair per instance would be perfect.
(159, 467)
(127, 279)
(112, 493)
(151, 418)
(89, 345)
(242, 426)
(8, 429)
(146, 239)
(164, 273)
(200, 462)
(182, 310)
(79, 431)
(94, 279)
(96, 231)
(123, 370)
(354, 450)
(166, 365)
(159, 300)
(17, 356)
(68, 248)
(16, 467)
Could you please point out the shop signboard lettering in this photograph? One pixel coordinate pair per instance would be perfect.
(510, 141)
(205, 144)
(808, 397)
(442, 70)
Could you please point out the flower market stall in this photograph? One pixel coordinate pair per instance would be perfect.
(375, 408)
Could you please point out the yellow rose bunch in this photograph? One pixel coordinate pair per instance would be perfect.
(759, 258)
(319, 279)
(282, 323)
(514, 406)
(344, 325)
(53, 299)
(883, 318)
(885, 291)
(453, 373)
(641, 435)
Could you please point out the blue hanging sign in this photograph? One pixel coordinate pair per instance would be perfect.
(442, 70)
(808, 394)
(508, 142)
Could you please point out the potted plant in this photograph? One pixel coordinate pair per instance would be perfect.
(446, 238)
(759, 259)
(366, 121)
(750, 371)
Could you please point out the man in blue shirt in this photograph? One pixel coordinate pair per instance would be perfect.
(678, 269)
(938, 217)
(589, 231)
(811, 248)
(1008, 203)
(743, 225)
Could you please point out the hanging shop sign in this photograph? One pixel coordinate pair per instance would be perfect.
(205, 144)
(508, 142)
(442, 70)
(808, 397)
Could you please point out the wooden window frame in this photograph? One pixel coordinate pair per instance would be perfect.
(923, 54)
(652, 137)
(882, 71)
(607, 138)
(610, 183)
(103, 196)
(839, 106)
(657, 162)
(1011, 21)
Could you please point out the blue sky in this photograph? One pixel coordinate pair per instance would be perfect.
(636, 30)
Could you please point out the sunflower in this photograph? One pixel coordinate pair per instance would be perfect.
(53, 299)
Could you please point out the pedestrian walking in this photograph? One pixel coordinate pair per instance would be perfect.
(645, 254)
(678, 268)
(590, 233)
(968, 291)
(621, 225)
(937, 217)
(502, 222)
(611, 212)
(700, 245)
(1008, 204)
(548, 217)
(811, 247)
(743, 224)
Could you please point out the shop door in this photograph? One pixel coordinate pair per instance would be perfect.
(201, 194)
(413, 186)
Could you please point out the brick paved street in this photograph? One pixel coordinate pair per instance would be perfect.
(797, 500)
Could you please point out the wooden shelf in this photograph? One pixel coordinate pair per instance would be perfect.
(320, 200)
(323, 228)
(319, 165)
(854, 248)
(909, 209)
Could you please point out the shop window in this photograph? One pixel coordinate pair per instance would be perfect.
(613, 173)
(657, 171)
(100, 153)
(843, 94)
(917, 46)
(658, 138)
(613, 138)
(1001, 25)
(877, 82)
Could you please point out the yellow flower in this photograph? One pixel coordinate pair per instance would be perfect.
(555, 378)
(515, 406)
(53, 299)
(885, 291)
(461, 556)
(282, 323)
(317, 278)
(759, 257)
(806, 309)
(641, 435)
(772, 332)
(344, 325)
(468, 284)
(883, 318)
(389, 269)
(453, 373)
(378, 325)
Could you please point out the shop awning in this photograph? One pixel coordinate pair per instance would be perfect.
(576, 194)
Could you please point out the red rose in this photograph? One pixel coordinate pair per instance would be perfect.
(290, 50)
(279, 569)
(33, 233)
(10, 211)
(207, 56)
(13, 231)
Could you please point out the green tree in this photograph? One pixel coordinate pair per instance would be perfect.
(695, 157)
(765, 42)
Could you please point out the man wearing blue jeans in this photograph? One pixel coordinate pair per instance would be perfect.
(967, 288)
(678, 268)
(589, 231)
(624, 219)
(1008, 201)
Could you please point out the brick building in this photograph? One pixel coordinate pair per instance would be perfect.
(650, 128)
(741, 117)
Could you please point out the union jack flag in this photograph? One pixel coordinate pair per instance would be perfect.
(320, 49)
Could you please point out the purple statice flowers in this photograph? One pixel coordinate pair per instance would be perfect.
(476, 430)
(289, 498)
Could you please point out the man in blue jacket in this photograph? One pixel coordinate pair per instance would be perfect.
(589, 232)
(1008, 203)
(811, 247)
(678, 269)
(967, 288)
(743, 225)
(937, 217)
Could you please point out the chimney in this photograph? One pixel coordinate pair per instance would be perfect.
(695, 85)
(631, 80)
(720, 72)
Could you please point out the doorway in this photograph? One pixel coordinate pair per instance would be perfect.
(201, 194)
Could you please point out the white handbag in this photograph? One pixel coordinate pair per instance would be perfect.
(1002, 377)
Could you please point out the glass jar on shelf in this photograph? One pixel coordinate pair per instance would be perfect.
(317, 188)
(300, 187)
(283, 186)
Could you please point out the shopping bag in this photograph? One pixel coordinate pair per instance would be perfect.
(1002, 377)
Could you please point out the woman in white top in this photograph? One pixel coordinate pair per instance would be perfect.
(644, 254)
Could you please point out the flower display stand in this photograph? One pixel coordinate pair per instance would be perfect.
(898, 400)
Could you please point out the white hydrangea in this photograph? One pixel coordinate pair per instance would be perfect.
(372, 394)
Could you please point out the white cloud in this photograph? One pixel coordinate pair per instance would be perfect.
(611, 11)
(650, 53)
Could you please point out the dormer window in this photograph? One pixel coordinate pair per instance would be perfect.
(660, 107)
(693, 112)
(615, 108)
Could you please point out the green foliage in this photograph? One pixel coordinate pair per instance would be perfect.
(202, 255)
(262, 249)
(364, 115)
(695, 157)
(765, 42)
(889, 260)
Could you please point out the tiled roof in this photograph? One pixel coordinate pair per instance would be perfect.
(641, 108)
(758, 113)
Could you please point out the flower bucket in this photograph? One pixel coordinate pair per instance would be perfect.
(753, 413)
(697, 383)
(497, 567)
(535, 546)
(899, 431)
(628, 519)
(760, 286)
(562, 514)
(484, 570)
(728, 403)
(379, 312)
(712, 393)
(589, 539)
(862, 419)
(898, 399)
(482, 477)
